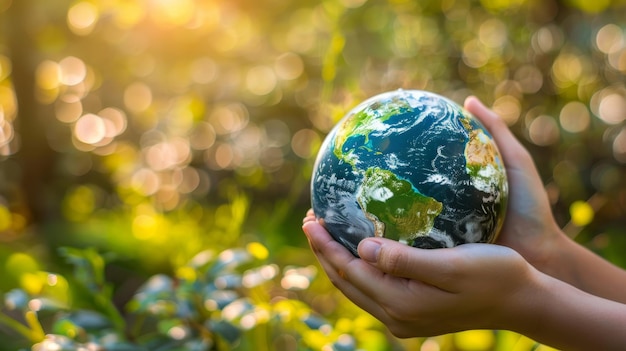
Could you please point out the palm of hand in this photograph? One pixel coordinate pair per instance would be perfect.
(472, 286)
(419, 292)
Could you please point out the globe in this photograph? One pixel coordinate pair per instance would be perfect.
(411, 166)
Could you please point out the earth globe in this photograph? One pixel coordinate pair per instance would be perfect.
(412, 166)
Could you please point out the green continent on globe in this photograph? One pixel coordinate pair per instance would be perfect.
(364, 122)
(397, 210)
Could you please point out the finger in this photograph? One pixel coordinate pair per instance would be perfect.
(521, 169)
(512, 150)
(335, 260)
(336, 257)
(372, 289)
(340, 280)
(310, 216)
(434, 267)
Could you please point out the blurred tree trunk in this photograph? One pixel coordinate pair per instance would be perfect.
(35, 156)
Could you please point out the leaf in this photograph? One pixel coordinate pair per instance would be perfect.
(228, 281)
(218, 299)
(89, 320)
(225, 330)
(154, 295)
(198, 345)
(314, 322)
(229, 260)
(237, 309)
(124, 346)
(89, 271)
(65, 327)
(159, 284)
(16, 299)
(202, 259)
(257, 276)
(345, 342)
(88, 266)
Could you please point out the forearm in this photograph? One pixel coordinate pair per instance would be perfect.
(580, 267)
(559, 315)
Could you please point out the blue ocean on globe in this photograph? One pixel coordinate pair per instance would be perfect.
(412, 166)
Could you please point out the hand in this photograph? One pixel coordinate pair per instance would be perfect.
(417, 292)
(529, 227)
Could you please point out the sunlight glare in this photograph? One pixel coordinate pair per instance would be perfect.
(612, 108)
(82, 17)
(137, 97)
(574, 117)
(544, 131)
(261, 80)
(144, 226)
(145, 181)
(48, 75)
(115, 121)
(619, 146)
(90, 129)
(168, 13)
(68, 112)
(289, 66)
(73, 71)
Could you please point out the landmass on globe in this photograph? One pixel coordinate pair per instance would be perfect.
(412, 166)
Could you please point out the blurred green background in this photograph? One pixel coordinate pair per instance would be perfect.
(140, 137)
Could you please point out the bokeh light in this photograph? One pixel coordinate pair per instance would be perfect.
(90, 129)
(137, 97)
(82, 17)
(574, 117)
(72, 71)
(544, 131)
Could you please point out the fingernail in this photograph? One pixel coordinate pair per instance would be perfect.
(368, 250)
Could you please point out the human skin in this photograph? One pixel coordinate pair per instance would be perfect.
(535, 280)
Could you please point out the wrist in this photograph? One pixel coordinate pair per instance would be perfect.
(558, 314)
(552, 252)
(524, 310)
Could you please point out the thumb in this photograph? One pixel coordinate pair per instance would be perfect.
(512, 150)
(402, 260)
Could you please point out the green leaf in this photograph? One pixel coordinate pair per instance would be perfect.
(225, 330)
(218, 299)
(47, 304)
(66, 327)
(89, 320)
(88, 266)
(16, 299)
(89, 272)
(228, 281)
(198, 345)
(229, 260)
(156, 296)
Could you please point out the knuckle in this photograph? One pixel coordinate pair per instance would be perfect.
(453, 270)
(393, 261)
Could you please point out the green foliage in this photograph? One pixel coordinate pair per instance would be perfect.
(218, 301)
